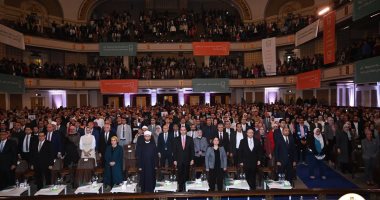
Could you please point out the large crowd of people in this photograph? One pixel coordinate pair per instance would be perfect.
(150, 67)
(150, 26)
(214, 138)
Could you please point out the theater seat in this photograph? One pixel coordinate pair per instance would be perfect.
(84, 171)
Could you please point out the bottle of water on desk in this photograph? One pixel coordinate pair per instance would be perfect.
(17, 183)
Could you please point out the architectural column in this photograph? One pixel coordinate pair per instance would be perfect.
(271, 95)
(181, 97)
(127, 99)
(207, 98)
(153, 96)
(126, 63)
(207, 60)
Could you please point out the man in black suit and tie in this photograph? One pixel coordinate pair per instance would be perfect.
(277, 134)
(250, 152)
(285, 154)
(55, 139)
(231, 135)
(24, 146)
(42, 160)
(183, 156)
(8, 160)
(105, 140)
(165, 141)
(175, 132)
(223, 138)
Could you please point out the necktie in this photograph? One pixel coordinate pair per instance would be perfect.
(27, 143)
(1, 146)
(106, 137)
(39, 146)
(302, 132)
(287, 140)
(221, 136)
(183, 143)
(165, 137)
(250, 144)
(49, 138)
(123, 132)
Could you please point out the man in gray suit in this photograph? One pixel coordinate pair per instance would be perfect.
(124, 133)
(152, 125)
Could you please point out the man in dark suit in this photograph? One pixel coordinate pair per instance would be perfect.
(231, 136)
(208, 130)
(285, 155)
(357, 125)
(55, 138)
(315, 124)
(175, 133)
(61, 128)
(183, 156)
(43, 160)
(301, 134)
(165, 141)
(78, 129)
(278, 132)
(223, 138)
(250, 152)
(8, 160)
(24, 146)
(105, 140)
(16, 132)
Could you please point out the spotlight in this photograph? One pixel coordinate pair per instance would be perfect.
(324, 11)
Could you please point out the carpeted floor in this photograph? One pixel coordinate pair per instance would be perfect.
(334, 179)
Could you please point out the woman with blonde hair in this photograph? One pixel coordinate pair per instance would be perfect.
(113, 167)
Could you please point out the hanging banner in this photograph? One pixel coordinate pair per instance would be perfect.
(308, 33)
(118, 49)
(364, 8)
(12, 84)
(269, 56)
(329, 38)
(211, 85)
(309, 80)
(211, 48)
(11, 37)
(368, 70)
(119, 86)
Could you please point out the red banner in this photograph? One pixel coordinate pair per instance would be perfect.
(211, 48)
(329, 38)
(119, 86)
(309, 80)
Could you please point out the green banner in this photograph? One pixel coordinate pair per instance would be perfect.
(363, 8)
(368, 70)
(211, 85)
(118, 49)
(11, 84)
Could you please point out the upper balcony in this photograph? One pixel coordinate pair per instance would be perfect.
(329, 74)
(283, 38)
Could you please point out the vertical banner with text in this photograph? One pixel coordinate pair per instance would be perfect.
(269, 56)
(329, 38)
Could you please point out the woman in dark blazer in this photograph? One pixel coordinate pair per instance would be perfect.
(317, 147)
(216, 164)
(113, 167)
